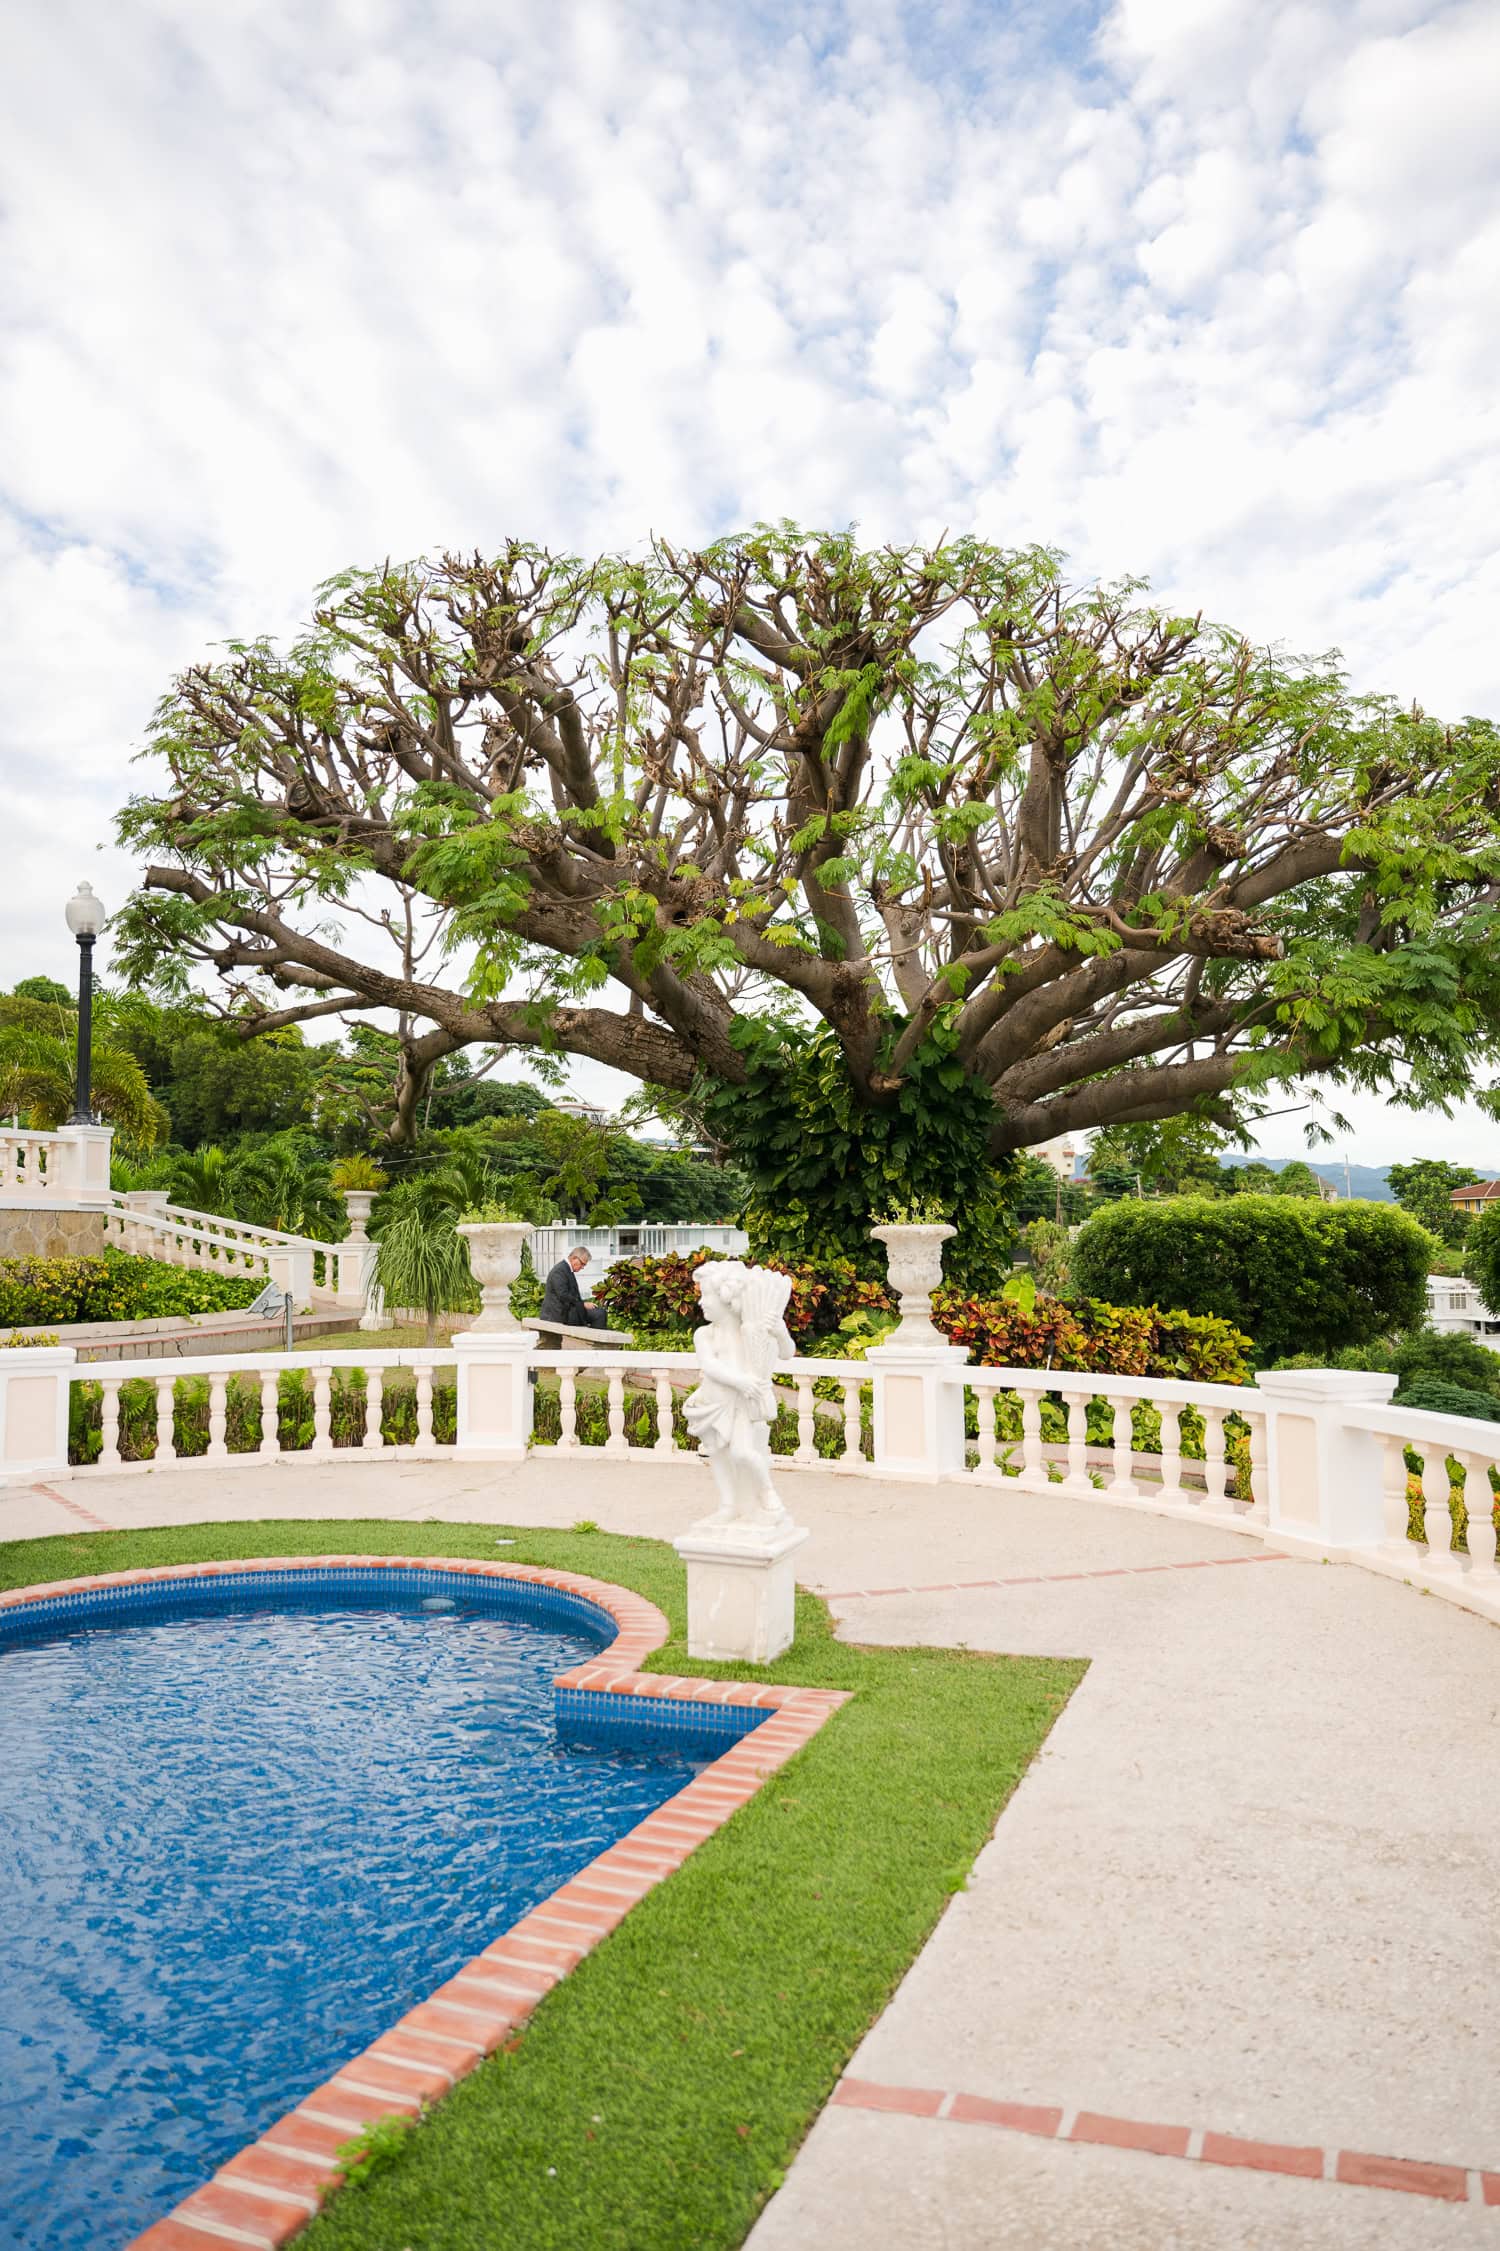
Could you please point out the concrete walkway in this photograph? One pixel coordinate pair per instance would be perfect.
(1246, 1895)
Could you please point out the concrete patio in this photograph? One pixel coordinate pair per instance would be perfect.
(1245, 1895)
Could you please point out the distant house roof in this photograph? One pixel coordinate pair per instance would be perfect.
(1477, 1192)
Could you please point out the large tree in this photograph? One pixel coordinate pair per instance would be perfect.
(896, 860)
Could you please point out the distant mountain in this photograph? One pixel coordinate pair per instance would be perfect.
(1367, 1182)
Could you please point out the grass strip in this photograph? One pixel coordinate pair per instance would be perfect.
(658, 2094)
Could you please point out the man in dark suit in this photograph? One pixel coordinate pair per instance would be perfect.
(563, 1301)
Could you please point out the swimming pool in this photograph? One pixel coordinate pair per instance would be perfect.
(244, 1824)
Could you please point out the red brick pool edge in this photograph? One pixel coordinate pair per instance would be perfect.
(263, 2196)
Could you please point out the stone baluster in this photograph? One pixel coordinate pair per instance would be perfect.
(853, 1454)
(1033, 1463)
(1077, 1479)
(1122, 1433)
(218, 1418)
(109, 1424)
(1479, 1502)
(1437, 1516)
(374, 1438)
(425, 1440)
(665, 1441)
(270, 1413)
(807, 1450)
(1171, 1451)
(1215, 1467)
(166, 1448)
(322, 1439)
(616, 1443)
(986, 1408)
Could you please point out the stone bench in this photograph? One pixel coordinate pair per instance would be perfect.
(554, 1335)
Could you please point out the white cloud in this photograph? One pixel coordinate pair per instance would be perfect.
(1208, 292)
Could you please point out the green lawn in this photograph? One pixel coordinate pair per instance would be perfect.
(658, 2093)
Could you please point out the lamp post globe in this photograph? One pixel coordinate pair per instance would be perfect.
(85, 916)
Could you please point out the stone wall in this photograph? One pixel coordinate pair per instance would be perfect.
(50, 1234)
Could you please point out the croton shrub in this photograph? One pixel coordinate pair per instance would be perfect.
(657, 1299)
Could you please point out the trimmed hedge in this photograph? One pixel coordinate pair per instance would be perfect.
(1298, 1276)
(114, 1286)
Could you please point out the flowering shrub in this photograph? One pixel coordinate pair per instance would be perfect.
(112, 1287)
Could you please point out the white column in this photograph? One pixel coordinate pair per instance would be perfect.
(1325, 1482)
(494, 1392)
(918, 1411)
(34, 1383)
(79, 1170)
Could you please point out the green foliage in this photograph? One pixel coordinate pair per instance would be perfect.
(44, 989)
(372, 2150)
(113, 1287)
(1435, 1398)
(526, 1289)
(1050, 1249)
(912, 1211)
(1298, 1276)
(1482, 1256)
(1432, 1355)
(1169, 1156)
(1425, 1189)
(821, 1158)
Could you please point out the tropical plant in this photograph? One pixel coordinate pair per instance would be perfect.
(37, 1084)
(897, 860)
(358, 1172)
(203, 1180)
(421, 1261)
(286, 1185)
(1299, 1276)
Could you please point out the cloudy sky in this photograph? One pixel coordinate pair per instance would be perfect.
(1196, 288)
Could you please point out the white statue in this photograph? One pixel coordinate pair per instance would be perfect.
(743, 1338)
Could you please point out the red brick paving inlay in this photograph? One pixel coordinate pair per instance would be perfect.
(268, 2191)
(1055, 1578)
(1450, 2184)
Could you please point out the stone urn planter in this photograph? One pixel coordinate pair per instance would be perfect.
(495, 1247)
(914, 1266)
(357, 1202)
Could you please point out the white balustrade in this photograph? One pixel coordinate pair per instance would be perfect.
(1207, 1453)
(1055, 1452)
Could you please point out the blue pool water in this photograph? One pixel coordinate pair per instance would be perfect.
(240, 1833)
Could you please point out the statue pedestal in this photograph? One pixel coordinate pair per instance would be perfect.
(741, 1590)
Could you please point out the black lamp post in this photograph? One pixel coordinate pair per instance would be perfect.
(85, 919)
